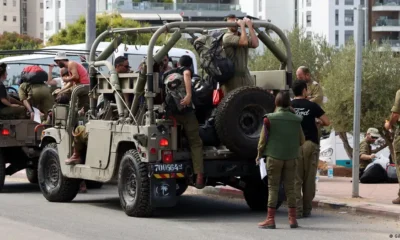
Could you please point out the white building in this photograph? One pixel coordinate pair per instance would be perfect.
(58, 14)
(281, 13)
(333, 19)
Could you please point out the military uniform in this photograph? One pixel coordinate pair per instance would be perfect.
(315, 93)
(38, 95)
(7, 112)
(365, 148)
(396, 141)
(239, 56)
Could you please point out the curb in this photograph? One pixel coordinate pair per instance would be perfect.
(367, 208)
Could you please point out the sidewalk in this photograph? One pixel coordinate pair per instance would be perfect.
(375, 199)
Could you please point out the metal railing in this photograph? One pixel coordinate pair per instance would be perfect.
(391, 42)
(120, 5)
(387, 3)
(387, 22)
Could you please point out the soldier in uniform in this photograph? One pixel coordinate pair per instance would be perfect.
(236, 45)
(393, 121)
(314, 90)
(366, 155)
(9, 107)
(280, 141)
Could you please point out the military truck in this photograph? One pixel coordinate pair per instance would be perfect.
(146, 152)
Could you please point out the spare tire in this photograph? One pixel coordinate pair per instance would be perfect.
(239, 119)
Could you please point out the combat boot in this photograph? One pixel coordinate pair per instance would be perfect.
(396, 201)
(292, 218)
(270, 220)
(74, 159)
(200, 181)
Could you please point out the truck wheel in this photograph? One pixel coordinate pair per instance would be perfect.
(54, 186)
(181, 187)
(256, 195)
(134, 185)
(32, 175)
(2, 171)
(93, 184)
(239, 119)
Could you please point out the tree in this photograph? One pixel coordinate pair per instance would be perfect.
(14, 41)
(379, 85)
(75, 33)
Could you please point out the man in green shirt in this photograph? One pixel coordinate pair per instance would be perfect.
(366, 155)
(236, 45)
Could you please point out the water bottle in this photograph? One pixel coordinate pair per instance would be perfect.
(316, 180)
(330, 171)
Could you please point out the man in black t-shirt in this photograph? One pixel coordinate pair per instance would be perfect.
(309, 151)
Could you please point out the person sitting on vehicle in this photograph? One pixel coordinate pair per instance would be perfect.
(236, 45)
(35, 94)
(9, 107)
(56, 83)
(188, 120)
(366, 155)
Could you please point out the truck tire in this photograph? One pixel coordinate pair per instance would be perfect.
(256, 195)
(134, 186)
(239, 119)
(93, 184)
(32, 175)
(2, 171)
(54, 186)
(181, 187)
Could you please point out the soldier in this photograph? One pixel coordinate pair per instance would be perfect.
(237, 46)
(309, 152)
(281, 150)
(314, 90)
(366, 155)
(9, 107)
(394, 118)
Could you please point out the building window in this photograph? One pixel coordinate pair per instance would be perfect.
(348, 34)
(41, 20)
(41, 35)
(362, 2)
(337, 38)
(5, 18)
(59, 4)
(260, 5)
(349, 18)
(5, 2)
(308, 19)
(309, 34)
(308, 3)
(14, 18)
(14, 3)
(337, 2)
(348, 2)
(41, 5)
(337, 17)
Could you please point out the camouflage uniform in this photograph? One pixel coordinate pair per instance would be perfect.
(396, 141)
(281, 151)
(365, 148)
(38, 95)
(239, 56)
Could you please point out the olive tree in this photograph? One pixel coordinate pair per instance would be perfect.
(380, 78)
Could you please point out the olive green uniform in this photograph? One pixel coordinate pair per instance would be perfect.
(365, 148)
(396, 141)
(38, 95)
(19, 112)
(239, 55)
(315, 93)
(281, 150)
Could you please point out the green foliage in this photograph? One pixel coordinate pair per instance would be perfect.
(379, 85)
(15, 41)
(75, 33)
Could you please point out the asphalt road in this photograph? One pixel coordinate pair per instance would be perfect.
(25, 214)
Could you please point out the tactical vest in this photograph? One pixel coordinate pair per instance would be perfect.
(284, 135)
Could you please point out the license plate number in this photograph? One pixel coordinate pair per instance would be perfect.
(167, 168)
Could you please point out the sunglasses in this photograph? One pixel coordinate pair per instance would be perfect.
(374, 138)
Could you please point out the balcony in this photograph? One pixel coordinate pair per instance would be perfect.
(393, 43)
(386, 5)
(387, 25)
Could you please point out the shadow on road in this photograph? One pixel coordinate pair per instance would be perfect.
(20, 188)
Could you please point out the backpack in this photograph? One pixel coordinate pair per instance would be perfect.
(175, 91)
(33, 75)
(213, 59)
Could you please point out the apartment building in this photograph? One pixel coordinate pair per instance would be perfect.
(279, 13)
(384, 22)
(22, 16)
(333, 19)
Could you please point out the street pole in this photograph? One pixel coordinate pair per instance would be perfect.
(90, 24)
(366, 21)
(357, 103)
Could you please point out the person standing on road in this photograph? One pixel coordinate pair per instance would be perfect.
(280, 141)
(308, 160)
(236, 45)
(394, 118)
(366, 155)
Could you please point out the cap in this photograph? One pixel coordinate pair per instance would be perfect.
(373, 132)
(61, 56)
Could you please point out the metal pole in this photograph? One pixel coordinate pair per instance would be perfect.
(366, 22)
(357, 103)
(90, 23)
